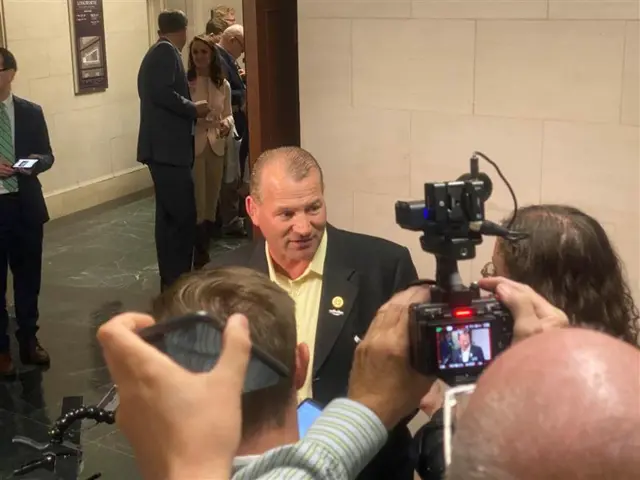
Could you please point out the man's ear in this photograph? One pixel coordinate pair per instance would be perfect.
(302, 365)
(252, 209)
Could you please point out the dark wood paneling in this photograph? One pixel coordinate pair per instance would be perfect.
(271, 58)
(271, 42)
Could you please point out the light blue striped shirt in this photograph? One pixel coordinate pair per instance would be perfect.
(341, 442)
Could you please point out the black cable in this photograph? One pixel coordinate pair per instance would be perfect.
(513, 195)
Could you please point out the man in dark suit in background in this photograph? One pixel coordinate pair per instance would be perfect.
(165, 144)
(338, 280)
(23, 212)
(230, 49)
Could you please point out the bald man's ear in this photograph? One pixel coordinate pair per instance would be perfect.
(302, 365)
(252, 209)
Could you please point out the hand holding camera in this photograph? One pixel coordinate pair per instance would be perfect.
(532, 314)
(381, 375)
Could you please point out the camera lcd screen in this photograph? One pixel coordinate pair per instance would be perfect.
(466, 345)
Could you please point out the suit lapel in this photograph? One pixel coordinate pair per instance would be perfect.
(339, 293)
(258, 259)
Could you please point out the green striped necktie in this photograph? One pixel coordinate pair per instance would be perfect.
(6, 148)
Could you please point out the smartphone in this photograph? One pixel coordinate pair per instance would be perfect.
(308, 411)
(26, 163)
(195, 342)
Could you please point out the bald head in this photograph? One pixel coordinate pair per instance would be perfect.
(560, 405)
(232, 40)
(234, 30)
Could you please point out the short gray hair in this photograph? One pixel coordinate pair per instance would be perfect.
(299, 164)
(233, 31)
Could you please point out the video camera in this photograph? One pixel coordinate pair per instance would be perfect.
(457, 333)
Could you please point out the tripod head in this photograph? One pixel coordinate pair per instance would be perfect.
(452, 221)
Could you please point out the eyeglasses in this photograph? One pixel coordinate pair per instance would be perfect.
(240, 42)
(489, 270)
(455, 402)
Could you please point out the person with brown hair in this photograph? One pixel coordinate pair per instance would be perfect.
(222, 17)
(269, 416)
(207, 82)
(569, 260)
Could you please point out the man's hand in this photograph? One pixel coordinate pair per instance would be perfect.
(531, 313)
(224, 129)
(6, 170)
(434, 399)
(202, 109)
(180, 424)
(381, 377)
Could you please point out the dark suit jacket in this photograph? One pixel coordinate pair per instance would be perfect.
(32, 138)
(238, 89)
(167, 114)
(230, 68)
(365, 271)
(476, 355)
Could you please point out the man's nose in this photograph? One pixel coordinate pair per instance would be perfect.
(302, 226)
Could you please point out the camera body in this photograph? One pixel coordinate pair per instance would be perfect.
(434, 329)
(457, 333)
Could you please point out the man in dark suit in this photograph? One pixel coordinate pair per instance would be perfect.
(165, 144)
(338, 280)
(23, 212)
(467, 351)
(230, 49)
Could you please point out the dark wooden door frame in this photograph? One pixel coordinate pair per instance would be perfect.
(271, 59)
(259, 89)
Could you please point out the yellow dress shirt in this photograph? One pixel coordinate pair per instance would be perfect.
(306, 291)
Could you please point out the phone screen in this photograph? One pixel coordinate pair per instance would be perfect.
(308, 412)
(26, 163)
(195, 343)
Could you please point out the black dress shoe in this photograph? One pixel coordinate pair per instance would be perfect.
(7, 368)
(32, 353)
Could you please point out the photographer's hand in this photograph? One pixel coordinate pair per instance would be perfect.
(382, 378)
(180, 424)
(531, 312)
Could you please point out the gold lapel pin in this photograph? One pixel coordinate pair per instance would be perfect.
(337, 302)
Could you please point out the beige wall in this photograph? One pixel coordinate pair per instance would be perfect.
(93, 136)
(398, 93)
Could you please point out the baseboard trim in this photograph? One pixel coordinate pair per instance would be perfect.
(67, 202)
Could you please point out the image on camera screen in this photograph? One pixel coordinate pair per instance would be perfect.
(461, 346)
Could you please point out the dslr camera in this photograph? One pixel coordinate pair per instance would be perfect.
(457, 333)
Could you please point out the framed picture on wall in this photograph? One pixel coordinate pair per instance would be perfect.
(3, 27)
(88, 46)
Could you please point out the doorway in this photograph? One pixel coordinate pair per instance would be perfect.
(271, 59)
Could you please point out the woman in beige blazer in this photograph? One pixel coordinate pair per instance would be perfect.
(207, 82)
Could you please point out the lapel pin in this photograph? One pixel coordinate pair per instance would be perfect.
(337, 302)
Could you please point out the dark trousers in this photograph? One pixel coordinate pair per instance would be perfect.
(21, 251)
(242, 126)
(175, 220)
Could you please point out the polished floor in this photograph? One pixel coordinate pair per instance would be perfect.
(96, 264)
